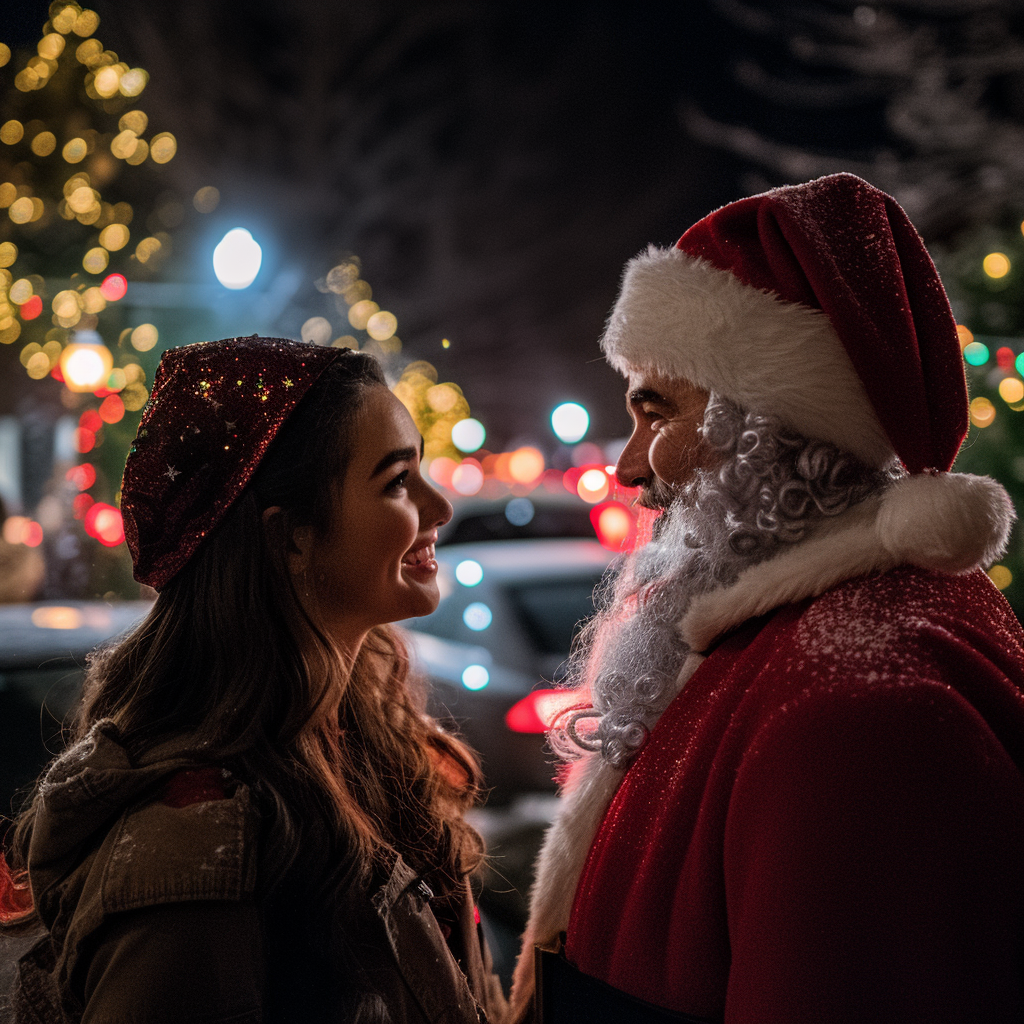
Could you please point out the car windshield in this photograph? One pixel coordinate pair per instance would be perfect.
(553, 612)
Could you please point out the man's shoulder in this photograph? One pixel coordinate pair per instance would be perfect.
(873, 611)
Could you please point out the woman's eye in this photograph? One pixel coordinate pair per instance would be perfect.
(398, 481)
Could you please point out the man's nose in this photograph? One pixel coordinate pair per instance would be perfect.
(633, 468)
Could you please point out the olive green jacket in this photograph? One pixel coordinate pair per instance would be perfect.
(148, 912)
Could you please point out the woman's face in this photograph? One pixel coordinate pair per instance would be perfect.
(375, 561)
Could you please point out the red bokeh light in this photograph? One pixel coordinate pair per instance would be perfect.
(1005, 358)
(90, 420)
(614, 525)
(114, 287)
(31, 309)
(32, 534)
(83, 476)
(112, 409)
(85, 440)
(104, 522)
(538, 710)
(82, 503)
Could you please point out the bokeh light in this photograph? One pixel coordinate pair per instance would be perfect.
(983, 412)
(469, 572)
(114, 287)
(1011, 390)
(593, 485)
(477, 616)
(525, 465)
(520, 511)
(468, 477)
(1001, 576)
(475, 677)
(468, 434)
(996, 265)
(976, 353)
(237, 259)
(570, 422)
(104, 523)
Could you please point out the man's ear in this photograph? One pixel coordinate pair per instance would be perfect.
(295, 544)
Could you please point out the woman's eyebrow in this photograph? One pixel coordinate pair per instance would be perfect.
(398, 455)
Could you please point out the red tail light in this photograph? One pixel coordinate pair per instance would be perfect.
(537, 710)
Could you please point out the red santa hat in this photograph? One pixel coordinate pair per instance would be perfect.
(214, 409)
(816, 303)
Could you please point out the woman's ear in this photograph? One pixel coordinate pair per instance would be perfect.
(294, 544)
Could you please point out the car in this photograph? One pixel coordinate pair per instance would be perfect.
(43, 648)
(508, 614)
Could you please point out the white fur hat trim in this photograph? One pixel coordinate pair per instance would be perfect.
(682, 317)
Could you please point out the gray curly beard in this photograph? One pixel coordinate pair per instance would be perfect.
(769, 491)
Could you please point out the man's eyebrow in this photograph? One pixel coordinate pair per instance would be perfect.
(640, 395)
(398, 455)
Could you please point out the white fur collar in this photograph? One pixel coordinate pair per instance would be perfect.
(952, 522)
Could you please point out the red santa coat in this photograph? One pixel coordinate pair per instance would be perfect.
(827, 823)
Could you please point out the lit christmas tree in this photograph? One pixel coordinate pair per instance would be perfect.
(82, 214)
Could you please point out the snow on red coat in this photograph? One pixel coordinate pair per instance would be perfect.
(827, 823)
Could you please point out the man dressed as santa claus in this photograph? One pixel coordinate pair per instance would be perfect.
(796, 789)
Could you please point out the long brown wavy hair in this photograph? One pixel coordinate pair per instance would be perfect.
(349, 768)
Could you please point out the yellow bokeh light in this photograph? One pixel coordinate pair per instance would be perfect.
(996, 264)
(38, 366)
(124, 144)
(107, 81)
(1000, 576)
(88, 51)
(86, 23)
(82, 199)
(206, 199)
(965, 335)
(51, 46)
(442, 397)
(343, 276)
(44, 144)
(114, 237)
(360, 313)
(52, 351)
(134, 397)
(139, 155)
(93, 300)
(63, 21)
(357, 291)
(21, 291)
(1011, 390)
(983, 412)
(134, 121)
(146, 249)
(316, 330)
(75, 151)
(12, 132)
(133, 82)
(5, 54)
(381, 326)
(8, 193)
(26, 80)
(95, 260)
(31, 349)
(144, 337)
(525, 465)
(65, 303)
(8, 254)
(21, 210)
(163, 147)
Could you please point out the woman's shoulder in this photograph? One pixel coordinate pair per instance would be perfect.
(196, 839)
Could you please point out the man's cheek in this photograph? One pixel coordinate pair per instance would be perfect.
(671, 452)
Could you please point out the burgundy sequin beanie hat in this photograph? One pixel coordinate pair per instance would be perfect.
(817, 304)
(214, 409)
